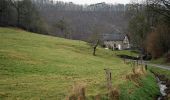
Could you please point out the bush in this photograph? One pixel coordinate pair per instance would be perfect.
(158, 41)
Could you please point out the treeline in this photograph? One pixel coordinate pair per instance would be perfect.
(149, 28)
(23, 14)
(74, 21)
(63, 19)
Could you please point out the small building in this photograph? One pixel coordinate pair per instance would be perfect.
(116, 41)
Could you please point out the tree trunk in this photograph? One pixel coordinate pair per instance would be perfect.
(95, 47)
(18, 17)
(94, 51)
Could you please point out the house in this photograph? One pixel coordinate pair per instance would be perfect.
(116, 41)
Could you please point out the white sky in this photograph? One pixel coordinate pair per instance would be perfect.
(96, 1)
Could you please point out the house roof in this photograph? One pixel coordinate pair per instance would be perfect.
(114, 37)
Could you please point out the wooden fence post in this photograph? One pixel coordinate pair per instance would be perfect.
(146, 67)
(109, 78)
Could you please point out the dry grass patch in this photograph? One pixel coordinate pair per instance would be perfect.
(137, 73)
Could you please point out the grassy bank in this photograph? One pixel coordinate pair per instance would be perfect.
(161, 61)
(34, 66)
(160, 71)
(144, 88)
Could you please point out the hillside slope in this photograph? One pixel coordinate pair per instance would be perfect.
(34, 66)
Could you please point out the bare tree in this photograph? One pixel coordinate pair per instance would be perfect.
(95, 39)
(161, 7)
(17, 5)
(94, 43)
(62, 26)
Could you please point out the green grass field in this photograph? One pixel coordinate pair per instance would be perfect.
(34, 66)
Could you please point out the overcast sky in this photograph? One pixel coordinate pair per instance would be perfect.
(96, 1)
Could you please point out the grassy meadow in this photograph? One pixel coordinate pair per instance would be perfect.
(34, 67)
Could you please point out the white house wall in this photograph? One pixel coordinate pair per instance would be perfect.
(110, 44)
(119, 44)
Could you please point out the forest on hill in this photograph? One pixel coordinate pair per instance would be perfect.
(146, 22)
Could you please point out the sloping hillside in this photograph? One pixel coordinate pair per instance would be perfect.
(34, 66)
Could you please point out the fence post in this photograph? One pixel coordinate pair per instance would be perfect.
(109, 78)
(146, 67)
